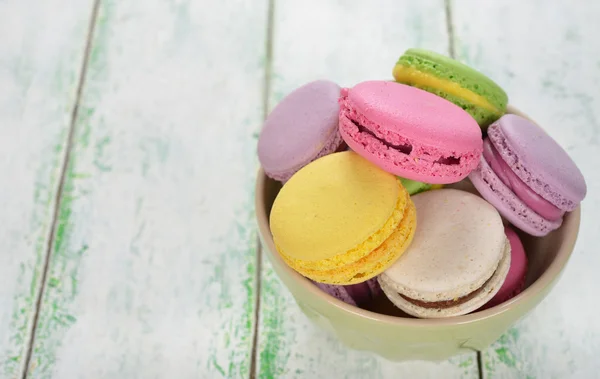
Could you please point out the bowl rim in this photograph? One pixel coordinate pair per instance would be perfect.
(571, 222)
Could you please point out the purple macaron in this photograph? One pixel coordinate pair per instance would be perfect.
(300, 129)
(527, 176)
(355, 294)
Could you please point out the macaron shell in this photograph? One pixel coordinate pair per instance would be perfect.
(339, 292)
(515, 279)
(508, 204)
(301, 128)
(455, 72)
(368, 266)
(456, 248)
(488, 291)
(342, 220)
(539, 161)
(466, 76)
(355, 294)
(414, 187)
(333, 145)
(331, 206)
(416, 115)
(410, 132)
(483, 116)
(404, 165)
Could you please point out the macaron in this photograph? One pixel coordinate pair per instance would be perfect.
(515, 279)
(300, 129)
(355, 294)
(457, 261)
(527, 176)
(414, 187)
(410, 132)
(342, 220)
(471, 90)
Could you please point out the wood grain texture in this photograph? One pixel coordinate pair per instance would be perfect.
(546, 56)
(153, 268)
(40, 57)
(346, 42)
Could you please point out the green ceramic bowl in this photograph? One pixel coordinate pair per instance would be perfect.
(385, 331)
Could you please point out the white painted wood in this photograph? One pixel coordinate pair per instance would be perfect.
(40, 58)
(152, 274)
(346, 42)
(547, 57)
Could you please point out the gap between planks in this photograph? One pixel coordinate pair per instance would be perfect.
(452, 53)
(450, 28)
(265, 97)
(58, 196)
(479, 365)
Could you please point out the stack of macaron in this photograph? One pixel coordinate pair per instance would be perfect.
(368, 205)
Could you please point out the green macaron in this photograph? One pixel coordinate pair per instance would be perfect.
(414, 187)
(471, 90)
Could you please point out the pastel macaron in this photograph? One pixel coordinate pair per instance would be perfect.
(457, 261)
(410, 132)
(359, 294)
(342, 220)
(414, 187)
(300, 129)
(515, 279)
(471, 90)
(527, 176)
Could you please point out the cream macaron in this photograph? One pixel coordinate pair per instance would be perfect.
(457, 261)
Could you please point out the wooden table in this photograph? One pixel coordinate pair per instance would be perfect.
(127, 146)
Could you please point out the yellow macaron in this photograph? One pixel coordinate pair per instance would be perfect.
(342, 220)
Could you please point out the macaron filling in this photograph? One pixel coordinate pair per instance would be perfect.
(454, 81)
(414, 77)
(534, 201)
(491, 188)
(447, 303)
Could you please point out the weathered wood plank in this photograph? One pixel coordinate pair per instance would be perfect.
(545, 54)
(153, 268)
(346, 42)
(40, 58)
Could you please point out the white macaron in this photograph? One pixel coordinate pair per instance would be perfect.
(457, 261)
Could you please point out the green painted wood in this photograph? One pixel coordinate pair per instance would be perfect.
(346, 42)
(152, 272)
(40, 58)
(546, 56)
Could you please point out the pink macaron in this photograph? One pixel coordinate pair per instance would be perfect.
(410, 132)
(300, 129)
(515, 279)
(527, 176)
